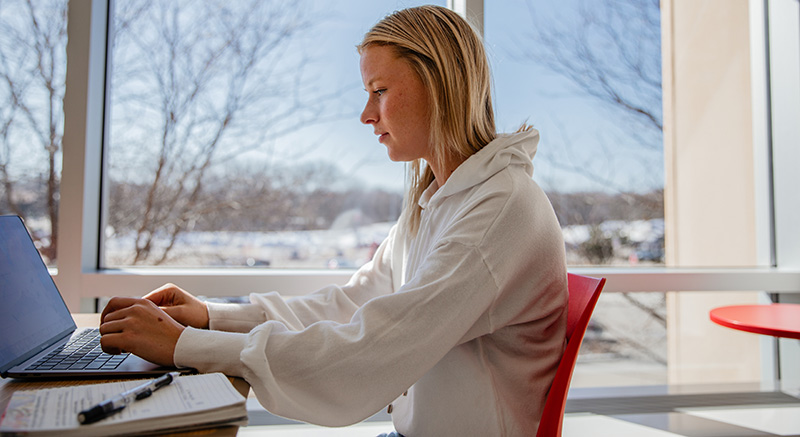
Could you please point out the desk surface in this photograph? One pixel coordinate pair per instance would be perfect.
(9, 386)
(779, 319)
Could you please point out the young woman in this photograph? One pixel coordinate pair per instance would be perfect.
(458, 322)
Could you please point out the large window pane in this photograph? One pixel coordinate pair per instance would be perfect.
(588, 76)
(626, 342)
(235, 138)
(33, 40)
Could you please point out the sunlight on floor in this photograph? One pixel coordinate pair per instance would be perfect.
(777, 420)
(579, 425)
(574, 426)
(367, 429)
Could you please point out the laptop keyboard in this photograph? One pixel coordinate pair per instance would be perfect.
(81, 353)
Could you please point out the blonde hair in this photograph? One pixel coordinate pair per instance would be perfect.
(449, 57)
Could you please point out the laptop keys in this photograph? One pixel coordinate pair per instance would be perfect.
(82, 353)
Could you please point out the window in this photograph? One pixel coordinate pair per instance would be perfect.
(588, 76)
(33, 40)
(717, 212)
(619, 143)
(234, 139)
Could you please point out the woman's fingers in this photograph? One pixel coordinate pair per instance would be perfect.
(180, 305)
(116, 304)
(166, 295)
(140, 327)
(111, 343)
(112, 326)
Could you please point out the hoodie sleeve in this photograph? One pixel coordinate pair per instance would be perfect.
(318, 372)
(335, 303)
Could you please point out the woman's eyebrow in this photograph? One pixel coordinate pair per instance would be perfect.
(373, 80)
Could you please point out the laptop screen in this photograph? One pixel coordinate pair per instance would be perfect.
(32, 312)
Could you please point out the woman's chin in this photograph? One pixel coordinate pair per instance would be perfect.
(393, 156)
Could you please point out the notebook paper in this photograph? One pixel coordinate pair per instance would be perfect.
(190, 401)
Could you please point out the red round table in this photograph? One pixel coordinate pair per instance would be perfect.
(778, 319)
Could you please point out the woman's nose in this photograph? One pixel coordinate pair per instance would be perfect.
(369, 114)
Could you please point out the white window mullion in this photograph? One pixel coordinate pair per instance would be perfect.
(762, 161)
(472, 10)
(239, 282)
(784, 70)
(79, 206)
(784, 56)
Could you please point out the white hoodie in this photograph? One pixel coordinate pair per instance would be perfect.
(460, 328)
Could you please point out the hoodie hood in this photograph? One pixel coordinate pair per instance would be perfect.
(504, 151)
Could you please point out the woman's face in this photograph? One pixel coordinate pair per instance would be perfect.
(398, 104)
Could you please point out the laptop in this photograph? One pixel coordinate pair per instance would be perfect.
(39, 337)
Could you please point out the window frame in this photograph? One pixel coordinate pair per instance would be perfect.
(80, 217)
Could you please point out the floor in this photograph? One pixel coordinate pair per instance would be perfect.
(740, 410)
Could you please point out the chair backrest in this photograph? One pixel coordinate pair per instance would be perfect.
(583, 294)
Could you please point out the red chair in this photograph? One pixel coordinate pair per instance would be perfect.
(583, 294)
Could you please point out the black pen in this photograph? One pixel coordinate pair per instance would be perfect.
(120, 401)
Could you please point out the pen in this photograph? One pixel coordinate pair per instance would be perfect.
(120, 401)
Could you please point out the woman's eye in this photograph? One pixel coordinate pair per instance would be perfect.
(380, 91)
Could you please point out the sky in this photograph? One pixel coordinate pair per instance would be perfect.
(572, 126)
(348, 143)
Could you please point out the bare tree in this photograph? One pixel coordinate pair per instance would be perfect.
(609, 51)
(33, 36)
(612, 52)
(195, 85)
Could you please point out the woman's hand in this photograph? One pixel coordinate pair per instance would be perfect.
(180, 305)
(140, 327)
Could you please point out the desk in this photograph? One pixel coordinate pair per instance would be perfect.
(778, 319)
(9, 386)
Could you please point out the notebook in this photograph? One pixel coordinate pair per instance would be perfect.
(39, 337)
(190, 403)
